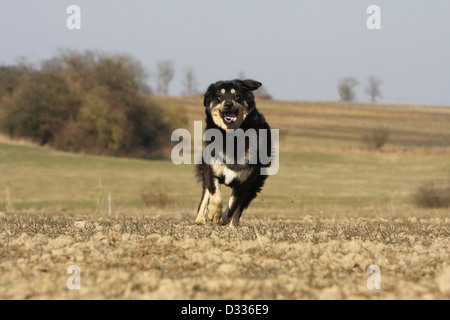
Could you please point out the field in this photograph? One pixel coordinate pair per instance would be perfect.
(333, 209)
(270, 258)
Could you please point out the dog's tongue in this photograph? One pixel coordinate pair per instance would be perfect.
(229, 116)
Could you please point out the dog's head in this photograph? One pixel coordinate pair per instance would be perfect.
(229, 102)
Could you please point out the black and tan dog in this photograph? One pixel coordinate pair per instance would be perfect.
(231, 105)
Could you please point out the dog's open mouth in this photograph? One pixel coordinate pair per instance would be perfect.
(229, 117)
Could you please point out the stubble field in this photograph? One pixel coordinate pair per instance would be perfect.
(266, 258)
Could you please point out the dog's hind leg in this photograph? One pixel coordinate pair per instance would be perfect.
(202, 207)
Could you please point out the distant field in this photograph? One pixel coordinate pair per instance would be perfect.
(343, 124)
(333, 209)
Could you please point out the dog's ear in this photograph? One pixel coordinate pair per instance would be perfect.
(250, 85)
(208, 96)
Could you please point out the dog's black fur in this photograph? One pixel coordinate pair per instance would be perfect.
(231, 105)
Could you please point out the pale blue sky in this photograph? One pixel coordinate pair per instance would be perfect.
(298, 49)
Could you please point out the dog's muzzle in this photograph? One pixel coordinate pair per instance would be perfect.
(229, 117)
(229, 113)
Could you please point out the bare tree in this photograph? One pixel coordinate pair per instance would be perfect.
(189, 82)
(346, 88)
(164, 75)
(373, 88)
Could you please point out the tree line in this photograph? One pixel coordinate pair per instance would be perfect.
(99, 103)
(85, 102)
(164, 75)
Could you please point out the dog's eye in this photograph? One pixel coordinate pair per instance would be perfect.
(236, 96)
(220, 97)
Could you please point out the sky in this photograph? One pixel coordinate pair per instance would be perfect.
(299, 49)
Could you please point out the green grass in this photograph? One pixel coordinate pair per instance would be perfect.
(308, 182)
(42, 179)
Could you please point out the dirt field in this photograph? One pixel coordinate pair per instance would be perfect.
(170, 258)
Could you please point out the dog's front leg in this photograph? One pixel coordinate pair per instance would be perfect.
(233, 212)
(240, 198)
(202, 207)
(215, 201)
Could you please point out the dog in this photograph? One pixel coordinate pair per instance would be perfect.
(231, 105)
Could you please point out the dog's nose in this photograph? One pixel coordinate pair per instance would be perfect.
(229, 104)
